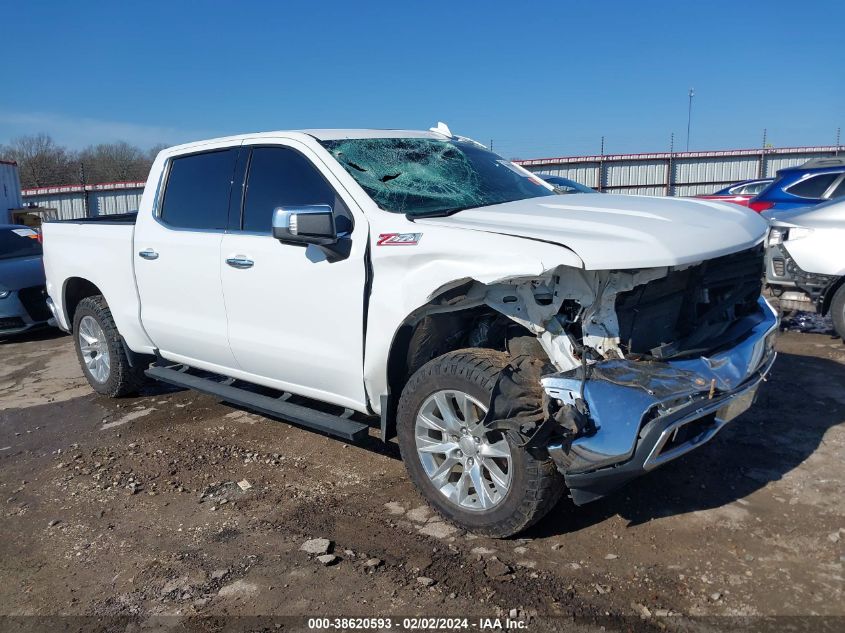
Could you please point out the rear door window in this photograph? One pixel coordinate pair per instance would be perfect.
(839, 191)
(282, 177)
(197, 191)
(812, 187)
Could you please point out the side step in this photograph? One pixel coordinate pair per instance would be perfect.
(298, 414)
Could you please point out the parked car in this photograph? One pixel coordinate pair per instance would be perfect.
(565, 185)
(812, 183)
(23, 295)
(521, 346)
(805, 259)
(740, 192)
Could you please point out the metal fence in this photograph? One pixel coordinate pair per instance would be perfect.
(75, 201)
(676, 173)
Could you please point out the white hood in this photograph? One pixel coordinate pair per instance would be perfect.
(621, 232)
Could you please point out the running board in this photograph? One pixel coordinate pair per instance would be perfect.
(298, 414)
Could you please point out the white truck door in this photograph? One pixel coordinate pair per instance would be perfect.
(296, 319)
(177, 260)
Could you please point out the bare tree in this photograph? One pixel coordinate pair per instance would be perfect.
(114, 162)
(41, 161)
(154, 150)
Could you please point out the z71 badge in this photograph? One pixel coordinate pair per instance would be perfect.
(398, 239)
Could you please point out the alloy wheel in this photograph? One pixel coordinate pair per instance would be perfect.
(466, 462)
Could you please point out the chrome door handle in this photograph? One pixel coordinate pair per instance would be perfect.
(240, 262)
(148, 254)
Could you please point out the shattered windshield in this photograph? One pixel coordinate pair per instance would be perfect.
(426, 177)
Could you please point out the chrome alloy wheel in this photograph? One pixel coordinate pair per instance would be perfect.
(468, 463)
(95, 350)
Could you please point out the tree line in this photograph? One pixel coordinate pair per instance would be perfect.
(42, 162)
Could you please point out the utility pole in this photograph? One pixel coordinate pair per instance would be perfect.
(84, 191)
(669, 166)
(600, 168)
(689, 113)
(838, 144)
(491, 144)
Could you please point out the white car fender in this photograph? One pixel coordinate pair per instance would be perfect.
(422, 262)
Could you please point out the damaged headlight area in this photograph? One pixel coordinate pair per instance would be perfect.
(612, 372)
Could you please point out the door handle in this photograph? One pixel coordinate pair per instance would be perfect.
(240, 262)
(148, 254)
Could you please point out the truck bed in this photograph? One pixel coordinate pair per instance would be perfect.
(98, 251)
(117, 218)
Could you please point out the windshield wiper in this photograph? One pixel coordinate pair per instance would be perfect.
(436, 213)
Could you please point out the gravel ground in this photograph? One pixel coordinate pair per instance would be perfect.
(174, 504)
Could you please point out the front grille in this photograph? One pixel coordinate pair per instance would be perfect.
(34, 299)
(693, 310)
(11, 323)
(779, 266)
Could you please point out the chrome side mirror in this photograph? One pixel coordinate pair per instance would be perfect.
(306, 224)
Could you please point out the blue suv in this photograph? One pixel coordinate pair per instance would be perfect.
(813, 182)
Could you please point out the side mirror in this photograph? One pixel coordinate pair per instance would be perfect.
(307, 224)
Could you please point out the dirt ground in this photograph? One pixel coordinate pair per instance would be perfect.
(133, 507)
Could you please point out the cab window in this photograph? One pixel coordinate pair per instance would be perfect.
(197, 192)
(282, 177)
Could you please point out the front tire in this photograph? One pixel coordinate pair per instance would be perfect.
(480, 480)
(837, 311)
(100, 350)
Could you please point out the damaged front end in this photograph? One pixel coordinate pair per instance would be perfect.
(645, 365)
(646, 413)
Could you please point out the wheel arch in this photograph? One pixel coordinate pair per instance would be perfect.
(827, 295)
(450, 321)
(75, 290)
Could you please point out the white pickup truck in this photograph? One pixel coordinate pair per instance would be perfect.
(520, 344)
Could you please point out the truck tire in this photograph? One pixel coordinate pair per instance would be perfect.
(837, 311)
(478, 479)
(100, 350)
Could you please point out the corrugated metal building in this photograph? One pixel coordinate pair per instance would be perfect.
(75, 201)
(676, 173)
(10, 189)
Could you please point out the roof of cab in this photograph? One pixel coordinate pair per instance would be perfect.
(319, 134)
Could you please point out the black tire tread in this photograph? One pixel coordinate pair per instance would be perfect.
(545, 485)
(837, 311)
(124, 380)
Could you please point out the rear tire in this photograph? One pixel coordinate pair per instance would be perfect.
(837, 311)
(100, 350)
(521, 489)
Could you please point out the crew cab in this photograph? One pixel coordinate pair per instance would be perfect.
(520, 345)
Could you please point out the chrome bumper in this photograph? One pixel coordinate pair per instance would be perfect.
(648, 413)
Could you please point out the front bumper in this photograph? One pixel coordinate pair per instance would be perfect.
(648, 413)
(800, 289)
(14, 317)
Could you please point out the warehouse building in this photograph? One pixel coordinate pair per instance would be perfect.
(10, 190)
(675, 173)
(71, 202)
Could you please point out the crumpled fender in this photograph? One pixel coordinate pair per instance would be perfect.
(408, 277)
